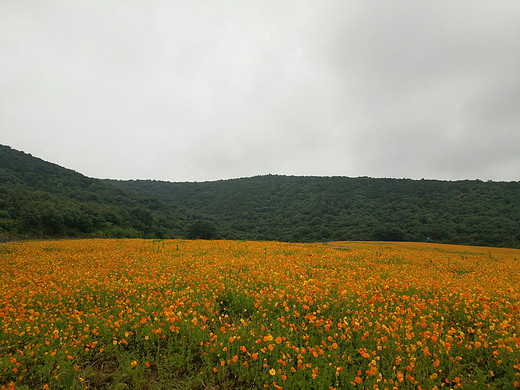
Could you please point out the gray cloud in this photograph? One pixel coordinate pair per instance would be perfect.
(203, 91)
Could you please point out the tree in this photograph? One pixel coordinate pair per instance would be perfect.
(203, 229)
(388, 232)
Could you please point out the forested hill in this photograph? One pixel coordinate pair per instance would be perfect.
(340, 208)
(38, 198)
(41, 199)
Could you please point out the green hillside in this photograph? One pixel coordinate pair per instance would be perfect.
(41, 199)
(340, 208)
(38, 198)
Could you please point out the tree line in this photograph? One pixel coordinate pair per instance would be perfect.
(38, 198)
(309, 209)
(41, 199)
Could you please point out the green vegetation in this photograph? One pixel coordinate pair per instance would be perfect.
(308, 209)
(38, 198)
(109, 314)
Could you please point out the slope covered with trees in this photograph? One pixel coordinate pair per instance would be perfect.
(340, 208)
(38, 198)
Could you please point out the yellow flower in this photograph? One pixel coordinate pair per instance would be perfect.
(134, 363)
(272, 371)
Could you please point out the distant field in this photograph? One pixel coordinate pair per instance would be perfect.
(433, 247)
(172, 314)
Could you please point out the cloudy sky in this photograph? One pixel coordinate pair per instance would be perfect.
(207, 90)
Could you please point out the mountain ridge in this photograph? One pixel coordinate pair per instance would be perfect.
(42, 199)
(266, 207)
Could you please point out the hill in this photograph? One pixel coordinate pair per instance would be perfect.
(309, 209)
(40, 198)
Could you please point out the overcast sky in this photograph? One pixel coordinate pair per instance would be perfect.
(207, 90)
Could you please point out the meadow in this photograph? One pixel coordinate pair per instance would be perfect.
(172, 314)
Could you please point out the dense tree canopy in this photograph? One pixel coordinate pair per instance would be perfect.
(38, 198)
(340, 208)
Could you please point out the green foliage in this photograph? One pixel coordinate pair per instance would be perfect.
(309, 209)
(38, 198)
(388, 232)
(203, 229)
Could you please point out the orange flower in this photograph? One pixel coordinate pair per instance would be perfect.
(312, 297)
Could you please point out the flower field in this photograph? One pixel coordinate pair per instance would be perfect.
(145, 314)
